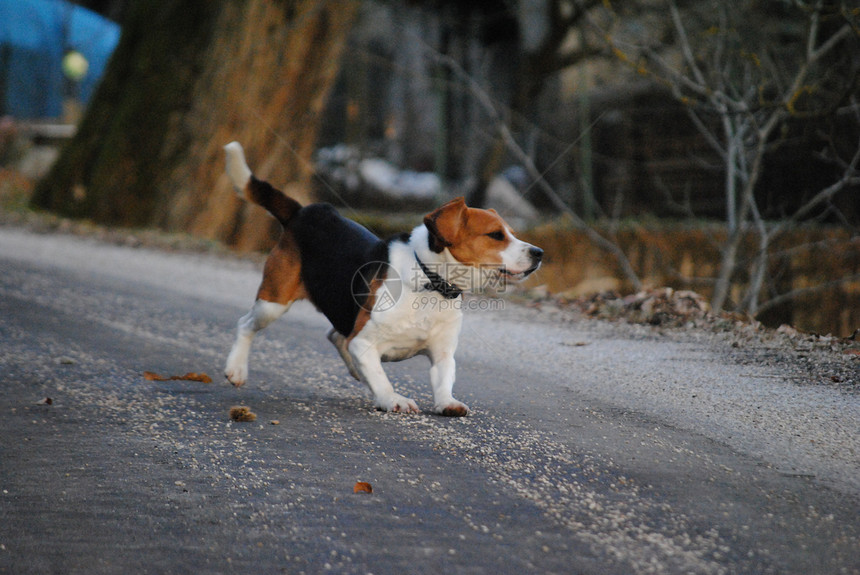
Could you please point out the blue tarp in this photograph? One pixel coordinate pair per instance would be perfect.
(34, 36)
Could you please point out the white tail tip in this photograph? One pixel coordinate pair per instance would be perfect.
(237, 167)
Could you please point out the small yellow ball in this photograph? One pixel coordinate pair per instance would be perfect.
(75, 66)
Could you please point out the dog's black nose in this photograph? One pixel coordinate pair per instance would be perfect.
(536, 253)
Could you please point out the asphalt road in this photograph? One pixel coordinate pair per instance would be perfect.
(593, 447)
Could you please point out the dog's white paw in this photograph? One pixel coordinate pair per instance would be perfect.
(452, 408)
(236, 377)
(236, 369)
(397, 403)
(236, 372)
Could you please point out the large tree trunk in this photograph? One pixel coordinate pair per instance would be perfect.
(187, 78)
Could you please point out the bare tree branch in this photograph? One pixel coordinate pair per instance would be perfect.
(490, 109)
(795, 293)
(732, 91)
(851, 177)
(686, 50)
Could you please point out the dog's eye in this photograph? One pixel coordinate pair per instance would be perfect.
(497, 235)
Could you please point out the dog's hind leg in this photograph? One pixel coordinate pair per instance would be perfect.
(262, 314)
(341, 344)
(281, 286)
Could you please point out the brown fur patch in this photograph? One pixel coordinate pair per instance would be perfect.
(444, 223)
(282, 274)
(463, 230)
(364, 313)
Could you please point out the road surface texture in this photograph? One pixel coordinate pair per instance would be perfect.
(594, 447)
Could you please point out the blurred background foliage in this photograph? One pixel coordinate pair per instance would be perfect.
(706, 145)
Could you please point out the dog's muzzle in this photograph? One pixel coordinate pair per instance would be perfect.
(536, 254)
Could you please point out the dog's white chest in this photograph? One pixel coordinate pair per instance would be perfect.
(418, 323)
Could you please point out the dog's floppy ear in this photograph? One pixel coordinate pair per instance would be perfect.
(445, 224)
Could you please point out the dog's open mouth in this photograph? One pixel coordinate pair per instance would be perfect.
(517, 276)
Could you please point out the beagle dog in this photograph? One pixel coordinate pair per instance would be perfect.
(386, 300)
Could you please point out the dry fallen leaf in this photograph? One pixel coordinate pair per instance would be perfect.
(201, 377)
(242, 413)
(362, 487)
(190, 376)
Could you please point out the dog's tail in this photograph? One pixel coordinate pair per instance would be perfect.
(257, 191)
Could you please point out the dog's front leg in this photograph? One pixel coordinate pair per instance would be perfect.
(442, 376)
(367, 361)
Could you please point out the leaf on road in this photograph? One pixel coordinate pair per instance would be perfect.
(362, 487)
(190, 376)
(242, 413)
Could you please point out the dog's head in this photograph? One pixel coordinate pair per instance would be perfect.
(482, 239)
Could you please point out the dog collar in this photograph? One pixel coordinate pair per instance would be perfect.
(438, 283)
